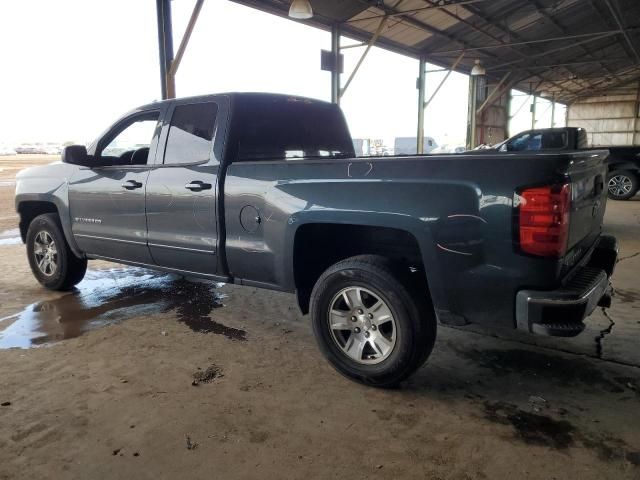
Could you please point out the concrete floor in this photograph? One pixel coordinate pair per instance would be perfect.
(114, 394)
(613, 335)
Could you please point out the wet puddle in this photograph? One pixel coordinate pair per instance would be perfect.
(562, 371)
(111, 296)
(10, 237)
(558, 434)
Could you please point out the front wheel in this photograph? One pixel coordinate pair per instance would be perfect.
(369, 323)
(622, 185)
(51, 260)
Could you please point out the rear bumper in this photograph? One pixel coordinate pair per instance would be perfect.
(561, 312)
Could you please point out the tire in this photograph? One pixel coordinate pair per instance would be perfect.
(57, 268)
(409, 334)
(622, 184)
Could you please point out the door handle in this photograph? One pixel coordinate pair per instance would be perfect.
(197, 186)
(131, 185)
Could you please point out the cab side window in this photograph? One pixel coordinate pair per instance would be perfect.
(129, 145)
(191, 133)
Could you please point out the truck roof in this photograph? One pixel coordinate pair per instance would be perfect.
(245, 96)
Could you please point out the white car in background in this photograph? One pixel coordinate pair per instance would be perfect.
(449, 149)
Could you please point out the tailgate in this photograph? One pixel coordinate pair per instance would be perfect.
(587, 173)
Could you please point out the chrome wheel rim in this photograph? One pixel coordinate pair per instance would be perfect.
(45, 253)
(362, 325)
(620, 185)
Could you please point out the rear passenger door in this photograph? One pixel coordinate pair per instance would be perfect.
(182, 190)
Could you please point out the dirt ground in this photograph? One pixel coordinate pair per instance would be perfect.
(141, 374)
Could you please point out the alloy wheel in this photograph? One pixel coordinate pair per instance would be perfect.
(45, 253)
(620, 185)
(362, 325)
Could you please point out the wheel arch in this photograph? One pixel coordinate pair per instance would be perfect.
(337, 241)
(620, 166)
(29, 206)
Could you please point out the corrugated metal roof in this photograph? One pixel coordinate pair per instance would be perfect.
(562, 48)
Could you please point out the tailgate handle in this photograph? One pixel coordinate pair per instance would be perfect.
(598, 185)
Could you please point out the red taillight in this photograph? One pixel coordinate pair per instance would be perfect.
(544, 220)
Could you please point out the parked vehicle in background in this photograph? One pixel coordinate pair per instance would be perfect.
(264, 190)
(623, 179)
(39, 149)
(446, 148)
(409, 145)
(27, 149)
(367, 147)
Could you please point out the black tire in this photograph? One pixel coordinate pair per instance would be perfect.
(69, 270)
(415, 322)
(619, 181)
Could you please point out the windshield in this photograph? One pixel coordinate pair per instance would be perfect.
(290, 128)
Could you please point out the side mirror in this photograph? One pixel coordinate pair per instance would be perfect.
(76, 155)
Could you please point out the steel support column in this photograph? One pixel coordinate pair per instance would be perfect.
(165, 46)
(175, 64)
(553, 111)
(533, 112)
(372, 42)
(507, 131)
(335, 72)
(471, 112)
(421, 104)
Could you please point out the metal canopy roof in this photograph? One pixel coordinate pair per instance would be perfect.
(562, 48)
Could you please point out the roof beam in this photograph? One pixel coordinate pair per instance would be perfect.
(564, 64)
(625, 34)
(554, 50)
(415, 10)
(511, 34)
(415, 22)
(531, 42)
(562, 29)
(590, 92)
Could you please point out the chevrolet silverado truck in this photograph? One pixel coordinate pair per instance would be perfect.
(623, 178)
(265, 190)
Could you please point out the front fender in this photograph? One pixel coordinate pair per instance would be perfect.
(49, 184)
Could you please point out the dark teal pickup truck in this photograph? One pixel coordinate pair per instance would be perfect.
(265, 190)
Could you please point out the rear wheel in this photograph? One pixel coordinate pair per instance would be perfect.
(622, 184)
(369, 322)
(51, 260)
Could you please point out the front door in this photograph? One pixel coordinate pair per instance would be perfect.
(181, 192)
(107, 202)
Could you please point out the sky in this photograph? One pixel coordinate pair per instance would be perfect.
(73, 67)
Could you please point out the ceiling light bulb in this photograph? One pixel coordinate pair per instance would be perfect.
(300, 10)
(478, 69)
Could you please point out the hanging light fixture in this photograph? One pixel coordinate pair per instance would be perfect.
(477, 69)
(300, 10)
(479, 79)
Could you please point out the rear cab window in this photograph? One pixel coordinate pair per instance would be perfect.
(534, 141)
(289, 128)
